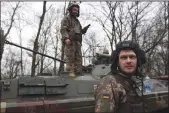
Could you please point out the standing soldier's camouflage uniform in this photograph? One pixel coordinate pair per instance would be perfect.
(115, 93)
(71, 29)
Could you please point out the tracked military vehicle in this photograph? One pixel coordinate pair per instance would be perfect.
(46, 93)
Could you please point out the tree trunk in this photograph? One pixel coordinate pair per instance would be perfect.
(2, 40)
(36, 40)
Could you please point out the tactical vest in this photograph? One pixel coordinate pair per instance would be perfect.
(134, 104)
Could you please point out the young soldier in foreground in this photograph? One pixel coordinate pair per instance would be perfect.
(115, 93)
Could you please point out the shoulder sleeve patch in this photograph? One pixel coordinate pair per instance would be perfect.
(106, 96)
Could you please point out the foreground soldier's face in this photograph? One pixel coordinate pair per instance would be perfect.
(127, 61)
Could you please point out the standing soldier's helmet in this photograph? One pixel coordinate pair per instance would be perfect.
(71, 5)
(141, 58)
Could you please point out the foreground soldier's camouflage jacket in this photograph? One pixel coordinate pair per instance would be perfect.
(105, 97)
(69, 26)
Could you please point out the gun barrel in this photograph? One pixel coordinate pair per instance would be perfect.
(7, 42)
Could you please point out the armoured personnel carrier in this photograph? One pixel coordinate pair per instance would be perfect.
(46, 93)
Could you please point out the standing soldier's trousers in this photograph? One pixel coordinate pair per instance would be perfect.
(73, 57)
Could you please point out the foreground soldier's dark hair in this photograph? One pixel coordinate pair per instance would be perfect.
(141, 58)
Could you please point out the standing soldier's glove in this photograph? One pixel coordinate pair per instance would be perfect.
(84, 30)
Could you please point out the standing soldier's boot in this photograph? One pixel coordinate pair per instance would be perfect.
(71, 73)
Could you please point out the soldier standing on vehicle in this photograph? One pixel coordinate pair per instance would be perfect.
(71, 31)
(115, 93)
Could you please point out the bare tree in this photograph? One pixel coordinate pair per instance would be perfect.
(35, 48)
(11, 64)
(43, 46)
(91, 42)
(61, 67)
(109, 12)
(156, 34)
(56, 47)
(19, 27)
(137, 13)
(51, 36)
(9, 26)
(47, 35)
(119, 19)
(56, 40)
